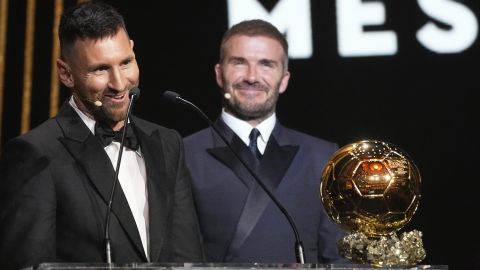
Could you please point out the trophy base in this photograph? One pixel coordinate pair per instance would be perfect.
(383, 250)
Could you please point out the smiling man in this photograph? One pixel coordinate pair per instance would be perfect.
(55, 181)
(253, 72)
(238, 221)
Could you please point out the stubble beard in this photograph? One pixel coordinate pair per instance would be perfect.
(111, 114)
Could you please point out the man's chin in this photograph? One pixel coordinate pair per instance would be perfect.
(112, 115)
(251, 113)
(116, 117)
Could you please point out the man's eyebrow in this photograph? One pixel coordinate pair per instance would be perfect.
(269, 62)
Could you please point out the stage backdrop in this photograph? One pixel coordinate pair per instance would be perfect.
(398, 71)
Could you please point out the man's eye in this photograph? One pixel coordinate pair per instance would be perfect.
(237, 62)
(268, 63)
(101, 69)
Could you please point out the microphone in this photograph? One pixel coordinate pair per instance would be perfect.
(133, 94)
(174, 97)
(97, 102)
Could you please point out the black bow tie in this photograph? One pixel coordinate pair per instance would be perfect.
(106, 135)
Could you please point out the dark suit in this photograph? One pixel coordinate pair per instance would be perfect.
(238, 220)
(55, 184)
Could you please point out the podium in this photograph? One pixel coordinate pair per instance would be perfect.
(219, 266)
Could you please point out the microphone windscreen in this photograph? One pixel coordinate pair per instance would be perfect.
(134, 91)
(171, 96)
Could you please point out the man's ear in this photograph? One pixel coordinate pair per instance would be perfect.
(64, 74)
(218, 75)
(284, 82)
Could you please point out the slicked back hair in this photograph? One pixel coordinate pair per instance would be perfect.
(253, 28)
(89, 20)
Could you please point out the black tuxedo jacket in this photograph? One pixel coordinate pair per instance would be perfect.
(55, 183)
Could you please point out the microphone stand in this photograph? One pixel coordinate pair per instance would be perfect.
(108, 249)
(299, 253)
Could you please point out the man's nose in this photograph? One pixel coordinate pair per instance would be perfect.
(251, 74)
(117, 80)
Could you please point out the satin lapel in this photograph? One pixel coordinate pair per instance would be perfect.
(275, 162)
(91, 157)
(254, 206)
(153, 154)
(223, 154)
(273, 166)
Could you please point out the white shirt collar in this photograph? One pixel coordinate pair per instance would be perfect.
(243, 128)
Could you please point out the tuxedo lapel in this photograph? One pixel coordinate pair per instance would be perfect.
(275, 162)
(273, 166)
(92, 158)
(154, 157)
(223, 154)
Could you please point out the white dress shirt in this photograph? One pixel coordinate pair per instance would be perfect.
(132, 178)
(243, 128)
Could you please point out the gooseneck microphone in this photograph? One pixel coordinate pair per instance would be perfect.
(174, 97)
(134, 94)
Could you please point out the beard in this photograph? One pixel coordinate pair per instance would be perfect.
(250, 109)
(115, 112)
(110, 113)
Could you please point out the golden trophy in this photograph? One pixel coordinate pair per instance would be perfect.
(371, 189)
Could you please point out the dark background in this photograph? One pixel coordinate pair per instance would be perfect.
(421, 101)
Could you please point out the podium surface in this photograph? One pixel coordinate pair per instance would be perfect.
(222, 266)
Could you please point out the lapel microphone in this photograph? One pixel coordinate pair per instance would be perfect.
(175, 98)
(134, 94)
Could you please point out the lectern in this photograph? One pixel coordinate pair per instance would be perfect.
(218, 266)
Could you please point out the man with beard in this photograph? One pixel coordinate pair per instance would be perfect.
(238, 221)
(56, 180)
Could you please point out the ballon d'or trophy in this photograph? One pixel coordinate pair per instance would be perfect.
(371, 189)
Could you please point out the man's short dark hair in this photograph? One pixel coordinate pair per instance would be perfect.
(92, 20)
(253, 28)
